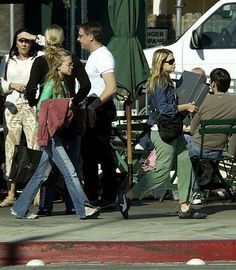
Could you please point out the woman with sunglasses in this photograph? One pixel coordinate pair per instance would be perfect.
(18, 115)
(175, 153)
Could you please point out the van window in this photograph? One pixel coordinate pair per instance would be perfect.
(219, 30)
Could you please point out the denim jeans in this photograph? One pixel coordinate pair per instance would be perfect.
(53, 153)
(72, 147)
(194, 149)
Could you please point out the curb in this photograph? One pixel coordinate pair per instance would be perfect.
(12, 253)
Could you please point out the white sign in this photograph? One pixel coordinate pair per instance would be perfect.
(156, 36)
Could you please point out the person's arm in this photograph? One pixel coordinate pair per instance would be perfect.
(39, 39)
(38, 71)
(189, 107)
(84, 83)
(47, 93)
(7, 86)
(195, 122)
(164, 101)
(108, 92)
(4, 83)
(110, 86)
(198, 116)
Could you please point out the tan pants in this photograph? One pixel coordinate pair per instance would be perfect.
(22, 118)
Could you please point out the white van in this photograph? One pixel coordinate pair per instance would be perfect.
(209, 43)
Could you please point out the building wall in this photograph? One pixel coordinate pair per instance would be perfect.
(7, 31)
(161, 14)
(168, 6)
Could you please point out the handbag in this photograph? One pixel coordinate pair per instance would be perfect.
(25, 162)
(170, 127)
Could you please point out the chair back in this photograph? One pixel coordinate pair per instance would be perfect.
(216, 126)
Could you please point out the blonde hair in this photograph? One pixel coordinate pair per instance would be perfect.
(54, 57)
(157, 74)
(54, 36)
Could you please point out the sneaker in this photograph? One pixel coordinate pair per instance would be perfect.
(91, 211)
(8, 201)
(124, 204)
(28, 215)
(191, 214)
(197, 198)
(138, 147)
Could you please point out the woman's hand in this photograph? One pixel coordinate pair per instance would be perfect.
(27, 35)
(19, 87)
(189, 107)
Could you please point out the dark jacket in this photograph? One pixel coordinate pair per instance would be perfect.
(162, 102)
(40, 69)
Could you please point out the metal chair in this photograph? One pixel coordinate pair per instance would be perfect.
(226, 161)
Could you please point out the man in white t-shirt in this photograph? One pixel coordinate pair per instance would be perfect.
(96, 147)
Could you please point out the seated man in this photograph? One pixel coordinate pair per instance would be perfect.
(219, 105)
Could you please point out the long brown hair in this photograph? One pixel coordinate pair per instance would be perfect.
(157, 74)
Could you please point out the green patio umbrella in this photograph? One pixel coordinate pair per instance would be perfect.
(131, 64)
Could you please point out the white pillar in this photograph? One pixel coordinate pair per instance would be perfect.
(156, 7)
(12, 28)
(11, 20)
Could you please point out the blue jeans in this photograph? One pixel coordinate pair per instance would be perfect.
(72, 147)
(53, 153)
(194, 149)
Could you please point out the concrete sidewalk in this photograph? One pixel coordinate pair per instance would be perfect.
(152, 234)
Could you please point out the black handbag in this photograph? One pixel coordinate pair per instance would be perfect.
(170, 127)
(25, 162)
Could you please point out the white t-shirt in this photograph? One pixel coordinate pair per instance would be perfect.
(99, 62)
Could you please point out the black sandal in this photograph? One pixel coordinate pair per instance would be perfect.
(191, 213)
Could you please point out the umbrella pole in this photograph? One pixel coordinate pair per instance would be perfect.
(128, 110)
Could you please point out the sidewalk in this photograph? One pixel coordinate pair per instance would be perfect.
(152, 234)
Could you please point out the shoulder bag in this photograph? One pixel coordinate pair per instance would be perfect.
(170, 127)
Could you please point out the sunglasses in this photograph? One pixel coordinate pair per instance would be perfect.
(170, 62)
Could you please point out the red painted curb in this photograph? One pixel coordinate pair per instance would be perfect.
(117, 252)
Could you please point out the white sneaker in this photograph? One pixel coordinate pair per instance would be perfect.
(138, 147)
(197, 198)
(91, 211)
(28, 215)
